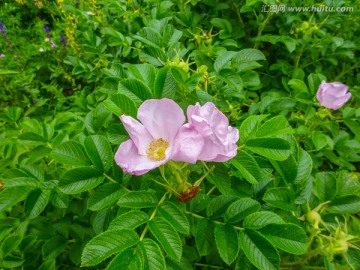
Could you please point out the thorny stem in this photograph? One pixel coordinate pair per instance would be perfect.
(153, 215)
(216, 222)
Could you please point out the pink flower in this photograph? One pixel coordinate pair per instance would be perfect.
(219, 138)
(160, 137)
(333, 95)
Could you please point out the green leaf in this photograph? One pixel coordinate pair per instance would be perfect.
(138, 199)
(325, 183)
(249, 127)
(143, 72)
(286, 168)
(259, 250)
(167, 237)
(204, 236)
(288, 237)
(320, 140)
(220, 178)
(135, 89)
(11, 196)
(353, 255)
(9, 244)
(247, 166)
(280, 197)
(260, 219)
(22, 181)
(231, 78)
(224, 58)
(104, 196)
(120, 104)
(305, 166)
(277, 125)
(248, 55)
(53, 247)
(165, 83)
(127, 260)
(11, 262)
(172, 214)
(99, 151)
(345, 205)
(36, 202)
(149, 36)
(272, 148)
(71, 153)
(240, 209)
(218, 205)
(226, 242)
(31, 137)
(80, 179)
(106, 244)
(298, 85)
(153, 257)
(129, 220)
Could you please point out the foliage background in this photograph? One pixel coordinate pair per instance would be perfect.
(289, 200)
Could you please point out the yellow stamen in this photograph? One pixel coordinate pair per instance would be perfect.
(157, 149)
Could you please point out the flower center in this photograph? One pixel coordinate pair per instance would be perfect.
(157, 148)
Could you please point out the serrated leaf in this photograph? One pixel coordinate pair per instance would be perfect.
(247, 166)
(260, 219)
(138, 199)
(105, 196)
(12, 196)
(11, 262)
(272, 148)
(259, 250)
(280, 197)
(220, 178)
(226, 242)
(165, 83)
(53, 247)
(106, 244)
(222, 60)
(231, 78)
(36, 202)
(22, 181)
(120, 104)
(305, 166)
(204, 236)
(127, 260)
(80, 179)
(325, 183)
(345, 205)
(129, 220)
(288, 237)
(135, 89)
(286, 168)
(167, 237)
(99, 151)
(153, 257)
(277, 125)
(218, 205)
(172, 214)
(240, 209)
(149, 36)
(31, 137)
(248, 55)
(71, 153)
(144, 72)
(249, 127)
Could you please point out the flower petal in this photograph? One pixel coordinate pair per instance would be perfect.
(128, 158)
(187, 145)
(138, 133)
(340, 101)
(162, 118)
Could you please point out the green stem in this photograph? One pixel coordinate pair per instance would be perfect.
(208, 265)
(261, 28)
(198, 182)
(153, 215)
(215, 221)
(109, 178)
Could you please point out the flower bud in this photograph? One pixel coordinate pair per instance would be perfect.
(313, 218)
